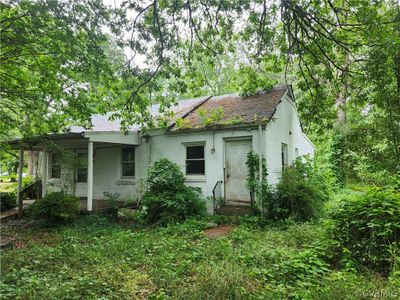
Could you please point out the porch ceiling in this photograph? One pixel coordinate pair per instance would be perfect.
(77, 140)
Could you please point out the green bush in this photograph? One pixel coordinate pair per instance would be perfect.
(300, 193)
(366, 228)
(7, 200)
(55, 208)
(164, 176)
(168, 199)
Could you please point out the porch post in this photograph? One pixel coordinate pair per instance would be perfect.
(20, 169)
(90, 177)
(260, 169)
(45, 171)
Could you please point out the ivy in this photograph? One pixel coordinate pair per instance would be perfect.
(258, 187)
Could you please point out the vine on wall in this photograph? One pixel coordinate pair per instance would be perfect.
(260, 190)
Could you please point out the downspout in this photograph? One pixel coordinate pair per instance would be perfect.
(260, 171)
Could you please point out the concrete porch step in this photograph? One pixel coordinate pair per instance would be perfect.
(234, 210)
(238, 203)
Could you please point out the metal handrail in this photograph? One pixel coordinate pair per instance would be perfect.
(214, 194)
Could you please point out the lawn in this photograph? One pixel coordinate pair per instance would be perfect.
(97, 258)
(8, 187)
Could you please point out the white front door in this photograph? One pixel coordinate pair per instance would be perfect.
(236, 170)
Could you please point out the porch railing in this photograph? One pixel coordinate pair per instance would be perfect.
(218, 200)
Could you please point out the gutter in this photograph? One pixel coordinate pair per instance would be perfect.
(243, 126)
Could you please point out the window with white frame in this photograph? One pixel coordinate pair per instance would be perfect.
(195, 161)
(128, 162)
(55, 166)
(284, 155)
(81, 168)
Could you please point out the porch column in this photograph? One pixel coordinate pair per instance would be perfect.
(45, 172)
(90, 177)
(20, 170)
(260, 169)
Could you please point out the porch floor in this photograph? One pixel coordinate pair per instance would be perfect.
(13, 212)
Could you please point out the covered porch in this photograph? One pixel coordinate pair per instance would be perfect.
(86, 143)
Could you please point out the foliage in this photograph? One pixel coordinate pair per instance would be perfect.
(182, 123)
(249, 81)
(336, 152)
(174, 262)
(168, 199)
(212, 117)
(10, 183)
(259, 188)
(366, 228)
(7, 200)
(164, 175)
(112, 198)
(299, 193)
(55, 207)
(55, 63)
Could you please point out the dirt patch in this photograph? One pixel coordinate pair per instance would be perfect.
(218, 231)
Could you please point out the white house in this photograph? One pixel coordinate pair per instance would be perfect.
(208, 137)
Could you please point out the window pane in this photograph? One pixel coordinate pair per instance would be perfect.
(82, 160)
(82, 175)
(128, 169)
(55, 158)
(195, 167)
(284, 155)
(128, 154)
(56, 171)
(194, 152)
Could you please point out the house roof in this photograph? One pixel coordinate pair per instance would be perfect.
(103, 122)
(233, 110)
(225, 110)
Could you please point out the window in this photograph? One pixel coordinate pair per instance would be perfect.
(55, 165)
(195, 163)
(81, 169)
(284, 155)
(128, 162)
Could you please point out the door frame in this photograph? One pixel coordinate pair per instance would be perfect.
(227, 140)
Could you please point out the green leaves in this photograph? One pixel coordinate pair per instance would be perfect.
(53, 61)
(57, 207)
(168, 199)
(368, 226)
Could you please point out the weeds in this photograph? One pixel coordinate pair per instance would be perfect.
(96, 258)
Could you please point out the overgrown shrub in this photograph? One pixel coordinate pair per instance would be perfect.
(366, 228)
(300, 193)
(165, 175)
(168, 199)
(7, 200)
(55, 208)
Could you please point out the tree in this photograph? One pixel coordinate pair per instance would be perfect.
(56, 68)
(54, 65)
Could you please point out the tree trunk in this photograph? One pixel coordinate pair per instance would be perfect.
(338, 144)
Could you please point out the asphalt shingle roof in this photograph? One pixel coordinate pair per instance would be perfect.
(234, 110)
(231, 109)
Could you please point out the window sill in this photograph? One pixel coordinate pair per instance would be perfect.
(51, 180)
(126, 181)
(195, 178)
